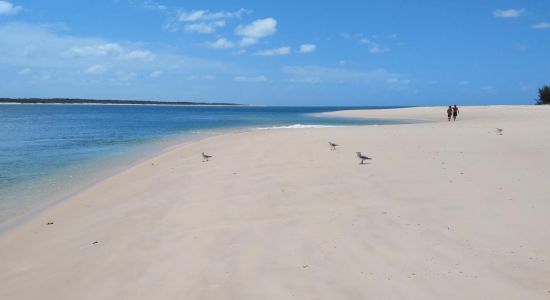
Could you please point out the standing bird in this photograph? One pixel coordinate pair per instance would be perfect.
(205, 157)
(499, 131)
(332, 145)
(362, 157)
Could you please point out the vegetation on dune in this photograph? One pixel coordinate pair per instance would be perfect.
(544, 95)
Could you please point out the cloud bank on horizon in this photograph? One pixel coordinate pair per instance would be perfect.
(278, 53)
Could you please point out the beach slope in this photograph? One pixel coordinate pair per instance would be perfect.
(445, 210)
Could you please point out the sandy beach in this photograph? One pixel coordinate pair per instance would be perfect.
(445, 210)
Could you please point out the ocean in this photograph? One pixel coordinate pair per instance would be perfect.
(48, 152)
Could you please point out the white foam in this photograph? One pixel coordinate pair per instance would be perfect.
(297, 126)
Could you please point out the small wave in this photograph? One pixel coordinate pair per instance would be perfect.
(296, 126)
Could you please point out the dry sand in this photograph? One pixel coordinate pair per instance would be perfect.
(443, 211)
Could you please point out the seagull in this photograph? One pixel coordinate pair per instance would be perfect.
(362, 157)
(499, 131)
(205, 157)
(332, 145)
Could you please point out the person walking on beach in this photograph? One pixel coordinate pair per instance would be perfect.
(455, 112)
(449, 112)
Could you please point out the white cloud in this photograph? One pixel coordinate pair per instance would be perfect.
(138, 54)
(307, 48)
(221, 43)
(508, 13)
(155, 74)
(464, 82)
(98, 50)
(318, 74)
(378, 49)
(7, 8)
(96, 70)
(24, 45)
(204, 21)
(373, 46)
(260, 78)
(542, 25)
(256, 30)
(192, 16)
(247, 41)
(152, 5)
(274, 52)
(205, 15)
(109, 49)
(204, 27)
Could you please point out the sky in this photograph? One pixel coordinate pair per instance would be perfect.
(370, 52)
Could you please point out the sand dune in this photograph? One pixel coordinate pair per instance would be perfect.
(445, 210)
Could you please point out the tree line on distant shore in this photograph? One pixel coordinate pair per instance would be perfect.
(544, 95)
(94, 101)
(544, 98)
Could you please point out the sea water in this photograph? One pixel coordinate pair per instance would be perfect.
(50, 151)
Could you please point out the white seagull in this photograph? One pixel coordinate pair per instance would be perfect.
(205, 157)
(332, 145)
(362, 157)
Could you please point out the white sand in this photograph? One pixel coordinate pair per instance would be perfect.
(443, 211)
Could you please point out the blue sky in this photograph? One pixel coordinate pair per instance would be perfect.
(380, 52)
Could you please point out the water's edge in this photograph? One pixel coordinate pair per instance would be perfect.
(108, 170)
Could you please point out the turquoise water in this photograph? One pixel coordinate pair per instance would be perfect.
(47, 149)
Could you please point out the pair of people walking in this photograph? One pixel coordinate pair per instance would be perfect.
(452, 111)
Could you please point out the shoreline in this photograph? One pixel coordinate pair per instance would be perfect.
(142, 156)
(26, 213)
(444, 210)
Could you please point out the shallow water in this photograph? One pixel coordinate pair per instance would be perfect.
(45, 150)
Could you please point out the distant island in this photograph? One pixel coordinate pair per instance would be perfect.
(93, 101)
